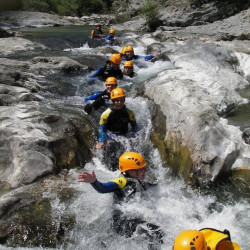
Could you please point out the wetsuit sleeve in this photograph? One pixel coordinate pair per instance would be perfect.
(103, 125)
(98, 103)
(92, 97)
(102, 133)
(132, 120)
(148, 57)
(134, 126)
(120, 74)
(121, 182)
(97, 73)
(107, 187)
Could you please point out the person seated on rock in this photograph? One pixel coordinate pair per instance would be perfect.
(132, 167)
(101, 97)
(111, 68)
(128, 55)
(110, 38)
(205, 239)
(115, 121)
(97, 32)
(128, 69)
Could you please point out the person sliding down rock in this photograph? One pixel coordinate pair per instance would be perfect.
(113, 124)
(131, 182)
(128, 55)
(100, 98)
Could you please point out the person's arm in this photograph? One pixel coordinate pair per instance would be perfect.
(99, 102)
(92, 97)
(98, 186)
(132, 120)
(134, 126)
(102, 133)
(97, 73)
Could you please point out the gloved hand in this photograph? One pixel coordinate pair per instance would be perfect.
(88, 108)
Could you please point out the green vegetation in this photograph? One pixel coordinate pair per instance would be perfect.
(65, 7)
(150, 10)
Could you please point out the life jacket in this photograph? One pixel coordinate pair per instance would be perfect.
(218, 240)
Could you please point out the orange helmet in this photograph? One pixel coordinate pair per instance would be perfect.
(116, 59)
(190, 240)
(128, 64)
(116, 93)
(111, 80)
(112, 31)
(130, 161)
(128, 48)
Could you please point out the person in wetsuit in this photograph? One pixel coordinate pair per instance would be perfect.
(111, 68)
(110, 38)
(97, 32)
(100, 98)
(128, 69)
(116, 120)
(204, 239)
(133, 171)
(128, 55)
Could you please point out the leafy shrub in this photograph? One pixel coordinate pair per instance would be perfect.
(35, 5)
(150, 10)
(91, 6)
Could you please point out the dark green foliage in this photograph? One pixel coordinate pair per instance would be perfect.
(90, 6)
(66, 7)
(150, 10)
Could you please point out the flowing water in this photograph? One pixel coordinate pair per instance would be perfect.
(172, 204)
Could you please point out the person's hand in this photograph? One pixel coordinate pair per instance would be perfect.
(99, 145)
(156, 55)
(87, 177)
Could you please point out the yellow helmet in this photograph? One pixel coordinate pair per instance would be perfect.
(111, 80)
(128, 64)
(130, 161)
(116, 59)
(112, 31)
(122, 51)
(128, 48)
(190, 240)
(116, 93)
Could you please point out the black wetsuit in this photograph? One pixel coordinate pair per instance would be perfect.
(108, 71)
(97, 33)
